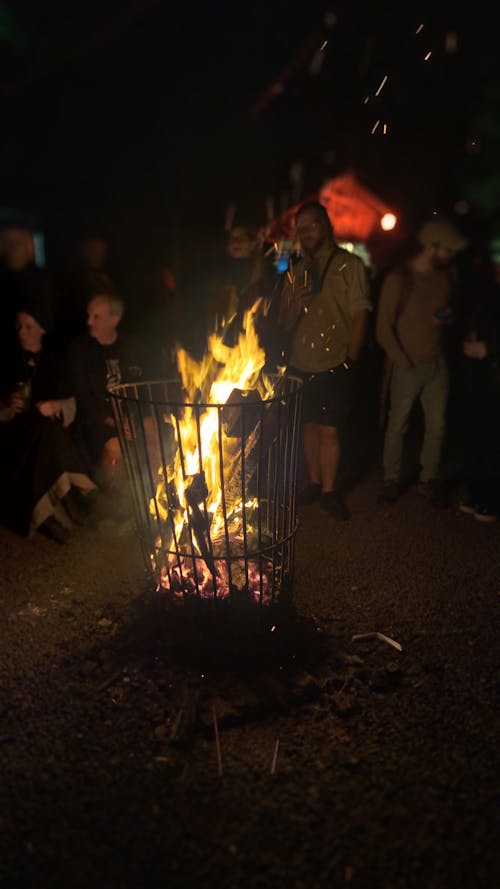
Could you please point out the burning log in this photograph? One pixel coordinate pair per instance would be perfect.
(232, 414)
(197, 493)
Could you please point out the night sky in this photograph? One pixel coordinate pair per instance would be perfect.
(142, 119)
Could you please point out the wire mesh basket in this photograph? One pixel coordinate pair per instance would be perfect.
(213, 488)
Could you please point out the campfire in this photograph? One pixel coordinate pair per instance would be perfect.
(211, 459)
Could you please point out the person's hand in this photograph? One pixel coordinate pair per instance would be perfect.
(303, 295)
(48, 408)
(17, 402)
(475, 349)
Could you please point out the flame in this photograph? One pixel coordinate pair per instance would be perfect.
(201, 440)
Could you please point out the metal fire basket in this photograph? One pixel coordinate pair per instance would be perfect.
(213, 488)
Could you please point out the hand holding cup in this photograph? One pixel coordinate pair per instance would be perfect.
(303, 290)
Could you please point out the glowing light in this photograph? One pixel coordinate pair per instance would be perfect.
(427, 57)
(374, 128)
(384, 81)
(451, 42)
(388, 222)
(462, 208)
(419, 29)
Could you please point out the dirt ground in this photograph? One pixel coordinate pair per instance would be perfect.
(342, 763)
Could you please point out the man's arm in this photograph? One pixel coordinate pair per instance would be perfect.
(387, 316)
(358, 331)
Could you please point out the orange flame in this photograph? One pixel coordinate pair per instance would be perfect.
(201, 437)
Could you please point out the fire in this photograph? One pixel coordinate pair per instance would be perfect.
(209, 526)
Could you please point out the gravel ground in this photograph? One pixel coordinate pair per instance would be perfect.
(386, 771)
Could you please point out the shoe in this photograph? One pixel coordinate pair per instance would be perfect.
(309, 494)
(483, 514)
(334, 505)
(467, 507)
(433, 491)
(388, 493)
(53, 529)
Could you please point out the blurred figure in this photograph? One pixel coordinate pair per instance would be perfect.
(88, 271)
(324, 308)
(244, 276)
(21, 280)
(94, 252)
(102, 357)
(42, 477)
(414, 308)
(17, 247)
(481, 389)
(162, 325)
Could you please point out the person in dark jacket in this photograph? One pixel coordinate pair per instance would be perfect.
(42, 478)
(481, 397)
(99, 359)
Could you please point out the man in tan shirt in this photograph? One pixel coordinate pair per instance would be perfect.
(324, 305)
(413, 308)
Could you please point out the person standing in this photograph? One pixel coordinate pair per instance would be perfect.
(88, 272)
(481, 396)
(414, 308)
(243, 276)
(324, 308)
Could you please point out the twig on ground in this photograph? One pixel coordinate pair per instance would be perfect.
(275, 756)
(110, 680)
(361, 637)
(217, 742)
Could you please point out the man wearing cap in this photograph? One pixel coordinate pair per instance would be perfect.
(414, 307)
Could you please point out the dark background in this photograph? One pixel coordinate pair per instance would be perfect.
(145, 120)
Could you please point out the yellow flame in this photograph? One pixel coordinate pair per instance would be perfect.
(210, 381)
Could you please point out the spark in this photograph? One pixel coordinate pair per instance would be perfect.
(323, 45)
(367, 100)
(375, 126)
(385, 129)
(419, 29)
(384, 81)
(427, 57)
